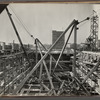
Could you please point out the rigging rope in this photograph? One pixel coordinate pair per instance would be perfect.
(21, 22)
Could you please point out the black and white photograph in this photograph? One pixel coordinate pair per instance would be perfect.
(49, 49)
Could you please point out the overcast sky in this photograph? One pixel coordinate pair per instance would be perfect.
(41, 19)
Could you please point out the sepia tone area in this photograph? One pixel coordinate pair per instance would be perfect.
(49, 49)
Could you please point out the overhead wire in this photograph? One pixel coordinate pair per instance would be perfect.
(27, 28)
(24, 26)
(89, 17)
(21, 22)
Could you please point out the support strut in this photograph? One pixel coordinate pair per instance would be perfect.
(37, 65)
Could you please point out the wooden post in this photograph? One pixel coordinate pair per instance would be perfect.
(48, 74)
(50, 64)
(75, 46)
(41, 67)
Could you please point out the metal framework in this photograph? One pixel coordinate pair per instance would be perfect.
(92, 40)
(47, 80)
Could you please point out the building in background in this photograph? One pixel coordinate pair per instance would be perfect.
(55, 35)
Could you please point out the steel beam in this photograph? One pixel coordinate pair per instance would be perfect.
(37, 65)
(49, 77)
(45, 87)
(36, 51)
(50, 67)
(12, 82)
(63, 48)
(81, 85)
(49, 53)
(61, 87)
(41, 68)
(92, 70)
(75, 45)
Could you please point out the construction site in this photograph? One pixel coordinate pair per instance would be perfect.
(54, 70)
